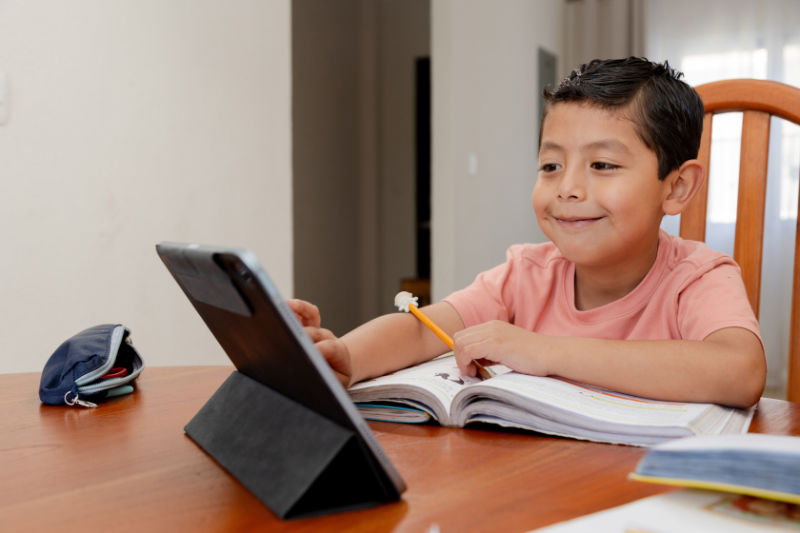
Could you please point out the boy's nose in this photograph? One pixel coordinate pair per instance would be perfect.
(571, 186)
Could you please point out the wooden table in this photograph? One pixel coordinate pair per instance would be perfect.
(128, 466)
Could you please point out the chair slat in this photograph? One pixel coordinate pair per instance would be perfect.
(752, 196)
(793, 385)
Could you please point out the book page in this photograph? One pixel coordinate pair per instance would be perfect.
(438, 378)
(579, 404)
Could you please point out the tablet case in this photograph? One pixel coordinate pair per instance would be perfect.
(297, 462)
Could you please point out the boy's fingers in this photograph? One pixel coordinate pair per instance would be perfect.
(334, 352)
(470, 345)
(464, 362)
(469, 371)
(308, 313)
(319, 334)
(337, 356)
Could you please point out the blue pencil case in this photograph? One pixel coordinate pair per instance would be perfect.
(95, 364)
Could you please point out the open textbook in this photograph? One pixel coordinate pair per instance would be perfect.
(434, 390)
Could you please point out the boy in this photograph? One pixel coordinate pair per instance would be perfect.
(612, 300)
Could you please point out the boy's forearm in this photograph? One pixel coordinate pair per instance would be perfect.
(397, 340)
(727, 367)
(381, 346)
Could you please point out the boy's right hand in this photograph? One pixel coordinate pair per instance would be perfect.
(331, 347)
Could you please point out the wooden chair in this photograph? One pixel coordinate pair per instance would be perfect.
(758, 100)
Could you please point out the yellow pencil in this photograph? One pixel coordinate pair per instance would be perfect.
(407, 302)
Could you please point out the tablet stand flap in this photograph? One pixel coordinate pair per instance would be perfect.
(297, 462)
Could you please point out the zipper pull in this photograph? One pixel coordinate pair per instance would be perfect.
(77, 401)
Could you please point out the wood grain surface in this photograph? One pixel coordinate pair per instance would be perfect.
(127, 466)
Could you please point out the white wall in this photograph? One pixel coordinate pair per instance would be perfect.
(485, 108)
(133, 122)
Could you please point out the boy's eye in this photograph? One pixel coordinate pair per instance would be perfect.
(549, 167)
(600, 165)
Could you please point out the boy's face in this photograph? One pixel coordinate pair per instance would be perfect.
(598, 196)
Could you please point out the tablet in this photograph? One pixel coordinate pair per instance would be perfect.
(267, 343)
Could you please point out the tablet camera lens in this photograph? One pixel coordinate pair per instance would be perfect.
(244, 273)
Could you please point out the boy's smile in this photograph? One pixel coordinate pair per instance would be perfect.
(598, 196)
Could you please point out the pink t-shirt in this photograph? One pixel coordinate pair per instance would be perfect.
(690, 292)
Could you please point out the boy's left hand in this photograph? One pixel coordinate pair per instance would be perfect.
(500, 342)
(331, 347)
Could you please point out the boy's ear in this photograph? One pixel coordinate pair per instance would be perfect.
(682, 184)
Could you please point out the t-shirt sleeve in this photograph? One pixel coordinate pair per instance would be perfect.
(489, 297)
(714, 301)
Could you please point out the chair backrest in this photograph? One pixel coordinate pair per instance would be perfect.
(758, 100)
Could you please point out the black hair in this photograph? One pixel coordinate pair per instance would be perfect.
(666, 111)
